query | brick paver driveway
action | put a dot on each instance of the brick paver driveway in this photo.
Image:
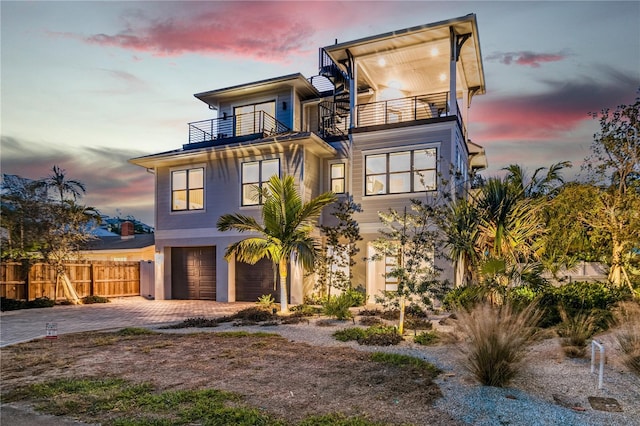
(24, 325)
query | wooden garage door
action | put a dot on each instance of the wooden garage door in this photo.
(253, 281)
(193, 273)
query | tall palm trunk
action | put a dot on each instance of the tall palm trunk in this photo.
(284, 299)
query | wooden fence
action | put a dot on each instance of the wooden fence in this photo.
(108, 279)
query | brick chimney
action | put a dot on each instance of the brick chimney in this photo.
(126, 230)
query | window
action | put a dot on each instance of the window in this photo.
(401, 172)
(187, 189)
(254, 176)
(250, 118)
(338, 178)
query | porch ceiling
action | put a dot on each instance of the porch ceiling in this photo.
(415, 59)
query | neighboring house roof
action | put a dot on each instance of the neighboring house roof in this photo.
(316, 145)
(118, 243)
(297, 81)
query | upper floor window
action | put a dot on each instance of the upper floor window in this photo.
(254, 176)
(187, 189)
(338, 178)
(250, 120)
(401, 172)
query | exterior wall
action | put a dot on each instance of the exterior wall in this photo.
(222, 195)
(433, 135)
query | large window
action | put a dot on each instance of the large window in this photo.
(338, 178)
(187, 189)
(401, 172)
(254, 176)
(250, 118)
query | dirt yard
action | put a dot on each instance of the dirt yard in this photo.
(287, 379)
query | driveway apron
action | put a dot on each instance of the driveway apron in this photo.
(28, 324)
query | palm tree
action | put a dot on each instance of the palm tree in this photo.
(61, 185)
(462, 230)
(286, 228)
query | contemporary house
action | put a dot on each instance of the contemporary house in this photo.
(385, 120)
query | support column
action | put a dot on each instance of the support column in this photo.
(453, 59)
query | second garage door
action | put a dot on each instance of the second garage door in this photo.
(253, 281)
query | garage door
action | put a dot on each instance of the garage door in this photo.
(193, 273)
(253, 281)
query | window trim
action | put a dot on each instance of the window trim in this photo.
(411, 171)
(188, 188)
(260, 182)
(343, 178)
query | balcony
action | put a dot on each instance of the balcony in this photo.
(404, 110)
(229, 129)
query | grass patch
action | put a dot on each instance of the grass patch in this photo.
(135, 331)
(337, 420)
(574, 331)
(405, 361)
(118, 402)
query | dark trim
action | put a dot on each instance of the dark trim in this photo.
(402, 124)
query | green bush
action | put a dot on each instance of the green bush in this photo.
(11, 304)
(198, 322)
(426, 338)
(350, 334)
(464, 297)
(40, 302)
(338, 306)
(377, 335)
(89, 300)
(358, 296)
(266, 301)
(574, 331)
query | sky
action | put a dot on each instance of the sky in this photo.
(88, 85)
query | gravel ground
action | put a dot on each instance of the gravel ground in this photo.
(530, 398)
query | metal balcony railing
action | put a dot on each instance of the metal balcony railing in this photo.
(403, 109)
(257, 123)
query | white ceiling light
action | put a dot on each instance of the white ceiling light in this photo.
(382, 62)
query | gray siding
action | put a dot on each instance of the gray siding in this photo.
(222, 188)
(390, 140)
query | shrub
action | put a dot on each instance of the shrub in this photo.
(266, 301)
(40, 302)
(418, 323)
(369, 312)
(89, 300)
(464, 297)
(376, 335)
(254, 314)
(368, 321)
(338, 306)
(350, 334)
(574, 332)
(381, 336)
(306, 310)
(357, 295)
(314, 299)
(11, 304)
(198, 322)
(497, 339)
(426, 338)
(628, 335)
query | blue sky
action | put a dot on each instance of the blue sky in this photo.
(88, 85)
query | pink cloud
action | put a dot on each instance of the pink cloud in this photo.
(267, 31)
(527, 58)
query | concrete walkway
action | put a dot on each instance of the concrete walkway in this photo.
(28, 324)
